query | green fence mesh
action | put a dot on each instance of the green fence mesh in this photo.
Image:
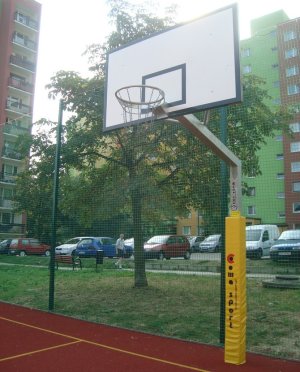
(167, 194)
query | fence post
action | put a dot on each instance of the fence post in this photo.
(54, 206)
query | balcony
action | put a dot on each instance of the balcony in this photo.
(15, 130)
(26, 21)
(22, 62)
(11, 154)
(5, 203)
(12, 228)
(21, 84)
(8, 178)
(24, 41)
(17, 106)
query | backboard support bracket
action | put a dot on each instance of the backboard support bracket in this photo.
(201, 131)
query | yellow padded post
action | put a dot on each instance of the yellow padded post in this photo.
(235, 287)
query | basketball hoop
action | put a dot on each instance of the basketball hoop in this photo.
(139, 102)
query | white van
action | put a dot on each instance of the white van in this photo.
(259, 239)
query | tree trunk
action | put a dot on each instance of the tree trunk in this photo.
(140, 279)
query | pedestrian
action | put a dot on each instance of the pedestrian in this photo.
(120, 247)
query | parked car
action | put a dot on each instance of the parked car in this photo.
(259, 239)
(28, 246)
(129, 242)
(211, 244)
(4, 246)
(287, 246)
(69, 247)
(195, 242)
(167, 246)
(88, 247)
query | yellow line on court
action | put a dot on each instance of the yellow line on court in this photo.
(97, 344)
(40, 329)
(38, 351)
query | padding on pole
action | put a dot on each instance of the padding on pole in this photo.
(235, 286)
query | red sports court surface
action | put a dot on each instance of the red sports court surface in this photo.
(33, 340)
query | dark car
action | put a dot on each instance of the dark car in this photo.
(167, 246)
(4, 246)
(28, 246)
(88, 247)
(195, 243)
(287, 246)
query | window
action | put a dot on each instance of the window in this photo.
(295, 146)
(245, 52)
(280, 195)
(20, 18)
(294, 108)
(275, 65)
(8, 169)
(295, 166)
(274, 49)
(186, 230)
(6, 218)
(277, 101)
(276, 84)
(291, 53)
(280, 176)
(295, 127)
(251, 210)
(296, 207)
(278, 138)
(8, 194)
(265, 236)
(289, 35)
(247, 69)
(281, 214)
(292, 71)
(296, 186)
(251, 191)
(293, 89)
(19, 38)
(252, 173)
(279, 157)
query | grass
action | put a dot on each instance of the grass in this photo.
(180, 306)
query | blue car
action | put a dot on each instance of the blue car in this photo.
(287, 246)
(88, 247)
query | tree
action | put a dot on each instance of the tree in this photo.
(150, 172)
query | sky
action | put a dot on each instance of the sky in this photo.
(68, 27)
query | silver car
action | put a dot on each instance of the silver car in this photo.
(69, 247)
(195, 243)
(211, 244)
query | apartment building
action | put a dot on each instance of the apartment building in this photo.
(19, 36)
(265, 201)
(289, 68)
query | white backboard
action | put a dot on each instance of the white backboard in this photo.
(196, 64)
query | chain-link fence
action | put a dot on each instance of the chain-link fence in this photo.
(138, 213)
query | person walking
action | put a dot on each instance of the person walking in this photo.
(120, 247)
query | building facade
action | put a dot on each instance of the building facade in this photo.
(266, 199)
(289, 69)
(19, 36)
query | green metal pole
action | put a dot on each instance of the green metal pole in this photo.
(224, 214)
(54, 206)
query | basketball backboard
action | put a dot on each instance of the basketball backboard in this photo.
(196, 64)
